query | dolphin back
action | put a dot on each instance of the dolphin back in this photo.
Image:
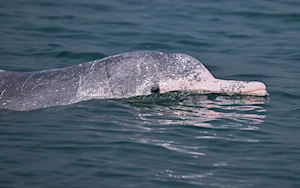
(31, 90)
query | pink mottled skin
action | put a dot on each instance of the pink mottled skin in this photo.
(210, 84)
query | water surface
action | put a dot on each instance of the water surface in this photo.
(172, 140)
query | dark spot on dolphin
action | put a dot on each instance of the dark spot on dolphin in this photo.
(155, 89)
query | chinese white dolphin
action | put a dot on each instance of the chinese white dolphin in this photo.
(120, 76)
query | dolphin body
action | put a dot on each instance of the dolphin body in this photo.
(120, 76)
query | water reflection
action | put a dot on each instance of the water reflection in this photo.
(215, 111)
(189, 124)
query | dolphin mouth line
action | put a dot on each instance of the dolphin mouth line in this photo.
(257, 92)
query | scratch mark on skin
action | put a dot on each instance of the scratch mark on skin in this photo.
(127, 86)
(1, 83)
(37, 83)
(125, 90)
(26, 81)
(118, 80)
(92, 66)
(153, 75)
(2, 93)
(108, 80)
(79, 86)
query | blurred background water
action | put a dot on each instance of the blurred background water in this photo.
(165, 141)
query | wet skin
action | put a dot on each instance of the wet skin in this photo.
(120, 76)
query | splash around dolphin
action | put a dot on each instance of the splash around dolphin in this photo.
(120, 76)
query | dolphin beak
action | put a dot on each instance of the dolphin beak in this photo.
(232, 87)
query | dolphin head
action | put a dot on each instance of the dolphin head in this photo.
(146, 72)
(188, 74)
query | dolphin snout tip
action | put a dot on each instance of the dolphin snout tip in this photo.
(255, 88)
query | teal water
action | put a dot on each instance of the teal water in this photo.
(171, 140)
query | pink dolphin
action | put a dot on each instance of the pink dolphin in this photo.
(120, 76)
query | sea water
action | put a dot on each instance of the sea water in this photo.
(172, 140)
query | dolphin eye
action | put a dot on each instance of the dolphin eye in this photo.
(155, 89)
